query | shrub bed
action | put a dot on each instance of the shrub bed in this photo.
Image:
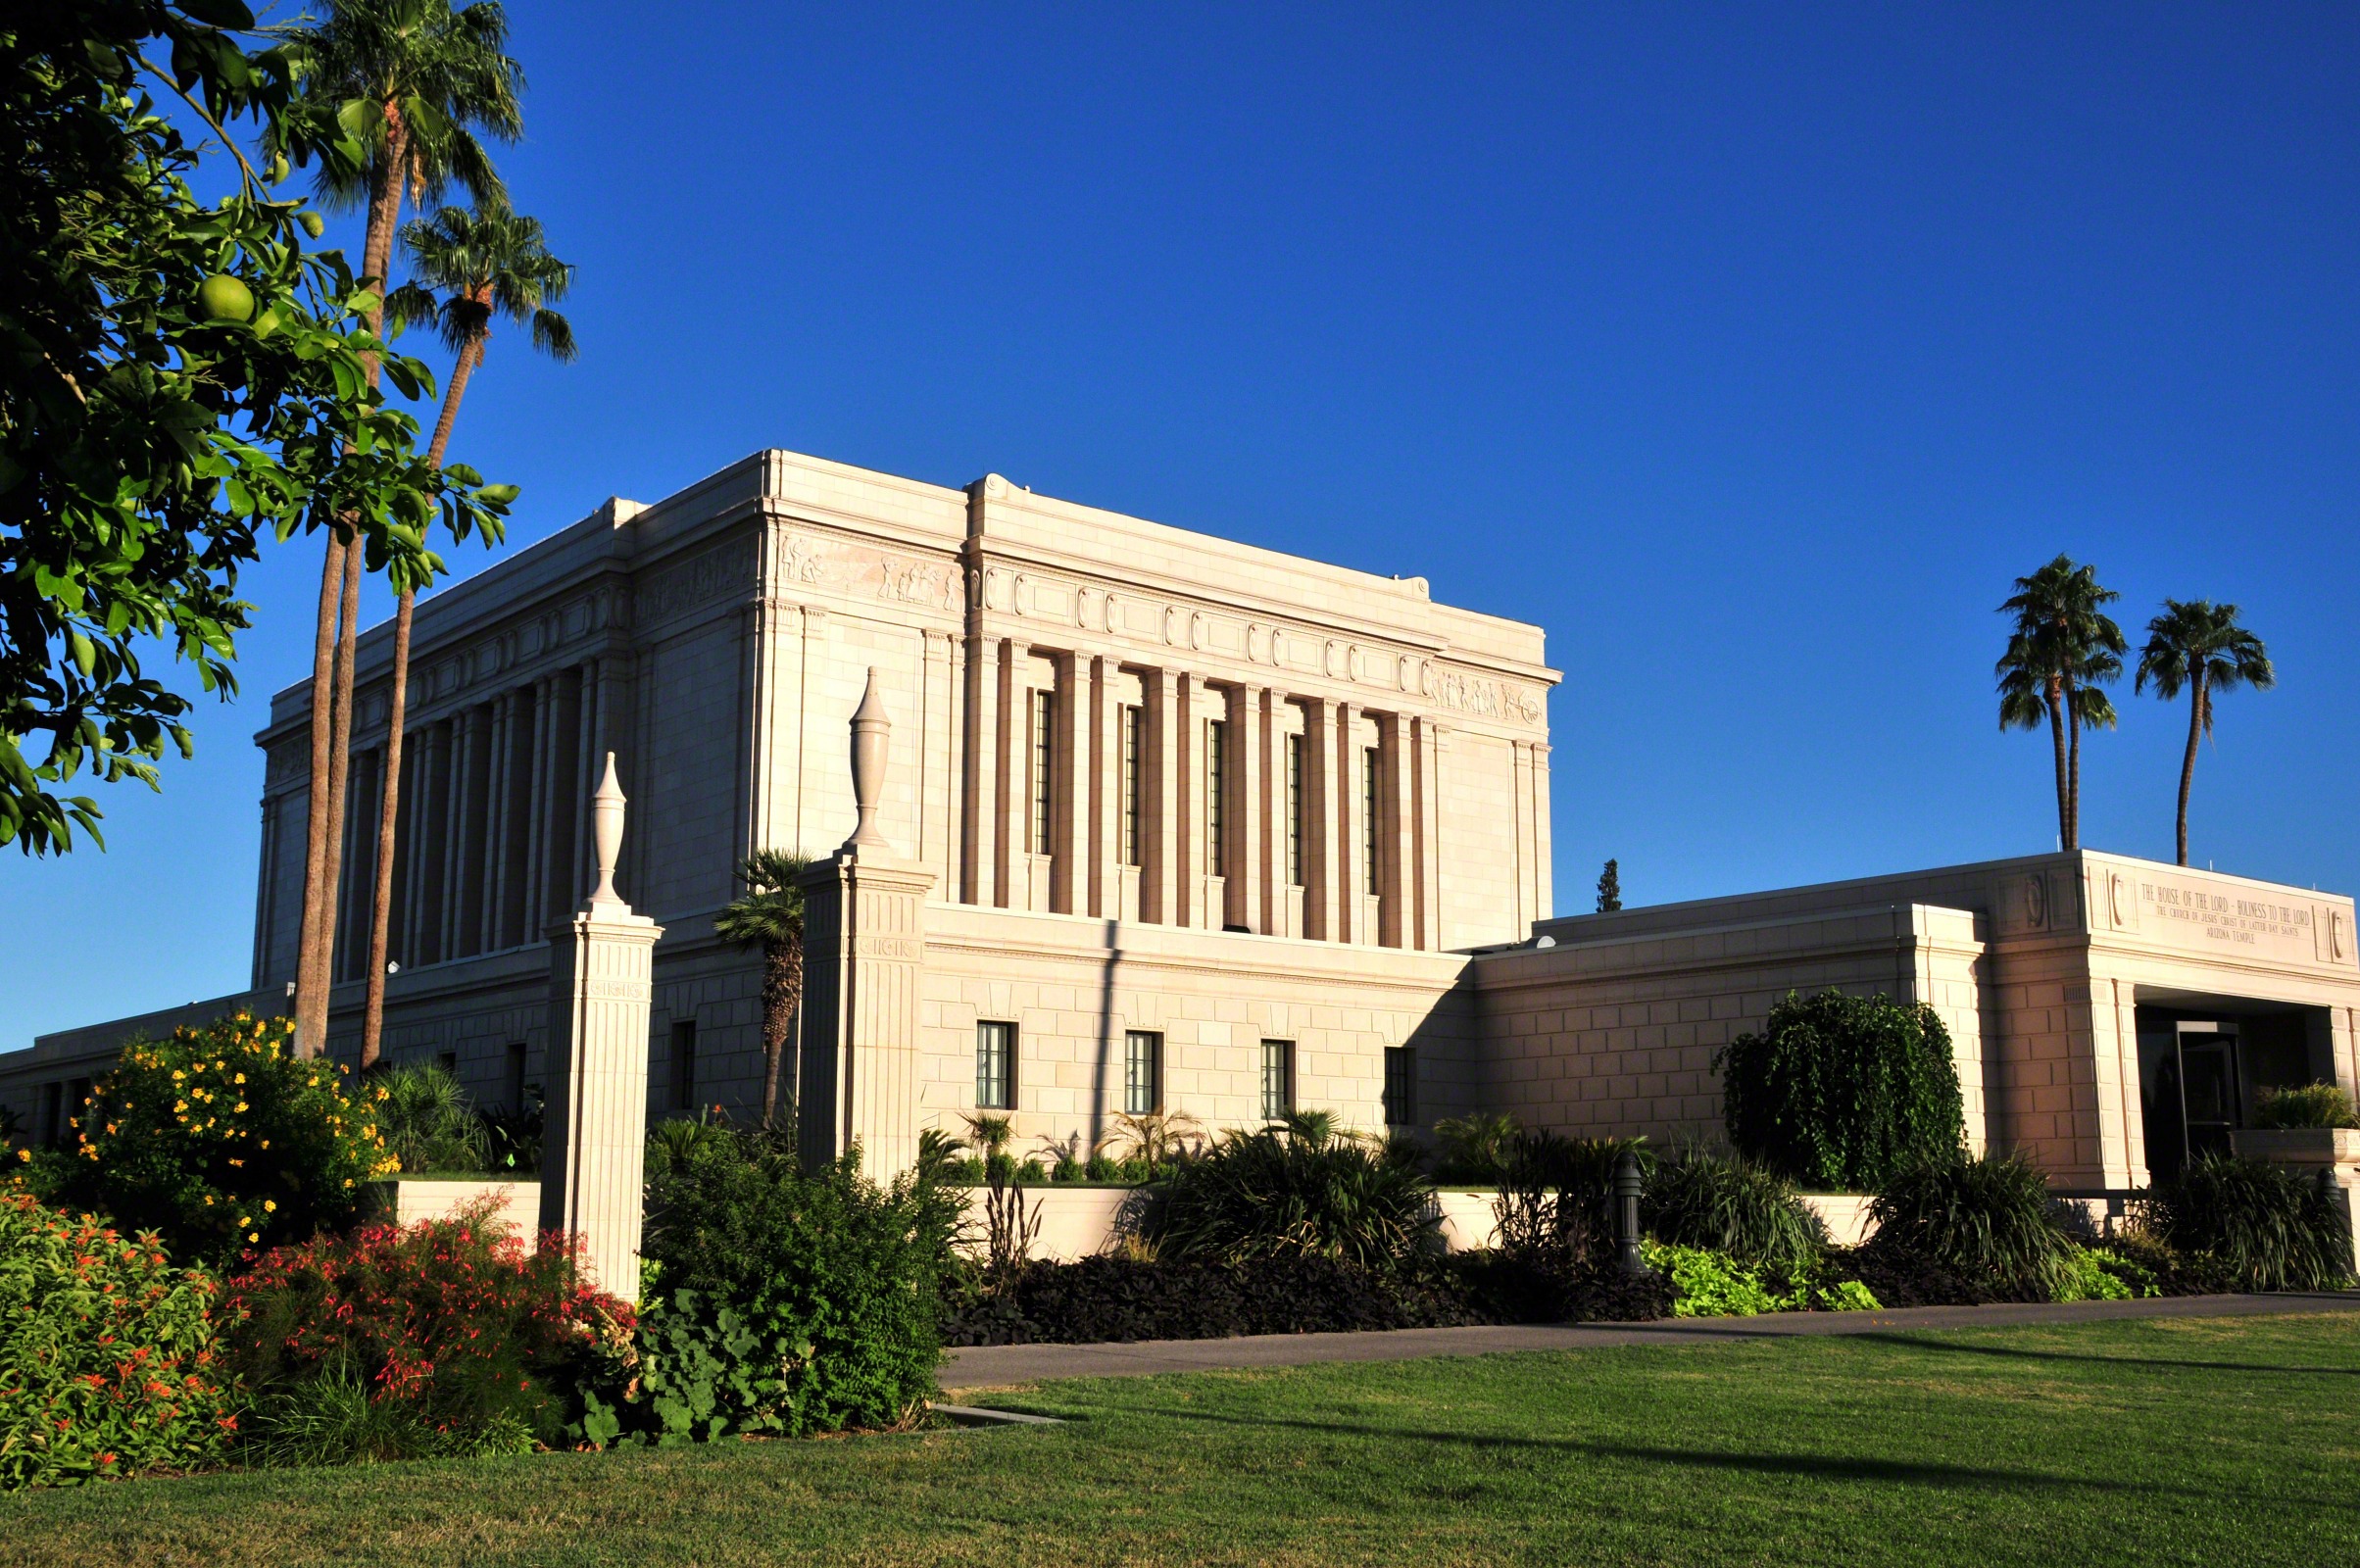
(107, 1362)
(785, 1301)
(448, 1337)
(2253, 1227)
(1116, 1298)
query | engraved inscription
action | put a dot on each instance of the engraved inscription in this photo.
(897, 949)
(2234, 918)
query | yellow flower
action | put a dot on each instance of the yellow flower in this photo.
(254, 1236)
(209, 1199)
(24, 1153)
(241, 1078)
(347, 1181)
(241, 1106)
(270, 1205)
(266, 1143)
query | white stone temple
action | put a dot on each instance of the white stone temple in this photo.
(1164, 821)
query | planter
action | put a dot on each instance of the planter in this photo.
(409, 1199)
(2305, 1148)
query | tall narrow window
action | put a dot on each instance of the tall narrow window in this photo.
(1400, 1086)
(1142, 1072)
(1278, 1078)
(1216, 793)
(515, 1074)
(1295, 811)
(1370, 874)
(684, 1065)
(996, 1067)
(1130, 785)
(1045, 715)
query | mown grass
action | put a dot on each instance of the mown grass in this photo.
(2187, 1441)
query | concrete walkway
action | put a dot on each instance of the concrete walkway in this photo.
(1001, 1365)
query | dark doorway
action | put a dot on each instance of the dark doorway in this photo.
(2210, 1098)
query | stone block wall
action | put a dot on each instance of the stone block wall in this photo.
(1616, 1037)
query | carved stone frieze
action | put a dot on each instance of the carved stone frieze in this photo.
(702, 578)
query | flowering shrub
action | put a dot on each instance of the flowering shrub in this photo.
(218, 1140)
(106, 1352)
(451, 1325)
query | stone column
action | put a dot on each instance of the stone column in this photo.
(500, 816)
(1069, 815)
(537, 848)
(1188, 807)
(1322, 921)
(1159, 803)
(1270, 731)
(1245, 808)
(1544, 905)
(1428, 832)
(602, 966)
(1105, 789)
(1527, 877)
(981, 816)
(864, 949)
(1352, 878)
(1014, 758)
(1397, 926)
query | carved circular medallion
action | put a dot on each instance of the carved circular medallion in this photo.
(2036, 902)
(2119, 891)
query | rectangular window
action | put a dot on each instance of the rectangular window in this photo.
(1295, 811)
(1278, 1078)
(1400, 1086)
(1142, 1072)
(1371, 869)
(684, 1065)
(1045, 713)
(1130, 785)
(449, 1061)
(1217, 778)
(996, 1067)
(515, 1074)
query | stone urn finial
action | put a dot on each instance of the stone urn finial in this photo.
(605, 826)
(871, 732)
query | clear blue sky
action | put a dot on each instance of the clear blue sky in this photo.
(1749, 350)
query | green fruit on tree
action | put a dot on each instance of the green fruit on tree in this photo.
(222, 298)
(405, 535)
(312, 224)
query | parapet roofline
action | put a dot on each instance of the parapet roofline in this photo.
(2020, 863)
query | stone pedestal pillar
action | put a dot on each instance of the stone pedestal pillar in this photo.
(600, 971)
(864, 949)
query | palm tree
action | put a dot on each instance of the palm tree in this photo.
(490, 262)
(411, 81)
(2198, 645)
(770, 916)
(2061, 649)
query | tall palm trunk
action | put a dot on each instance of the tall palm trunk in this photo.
(380, 910)
(2187, 764)
(316, 896)
(2073, 767)
(2056, 737)
(783, 993)
(333, 648)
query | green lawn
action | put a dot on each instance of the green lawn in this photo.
(2161, 1441)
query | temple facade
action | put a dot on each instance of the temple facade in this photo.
(1162, 822)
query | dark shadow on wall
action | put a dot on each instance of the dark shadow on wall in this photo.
(1103, 1069)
